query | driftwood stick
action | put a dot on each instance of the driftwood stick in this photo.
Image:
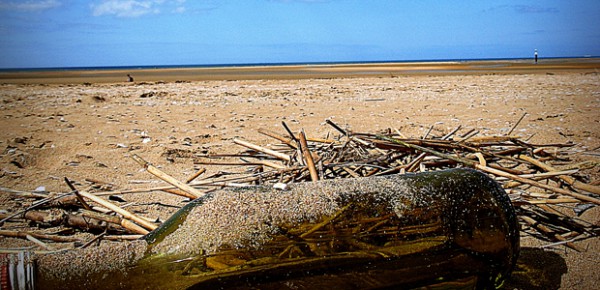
(495, 171)
(351, 172)
(34, 205)
(553, 201)
(546, 230)
(60, 217)
(243, 178)
(549, 174)
(178, 192)
(23, 235)
(162, 188)
(133, 227)
(335, 126)
(417, 161)
(96, 238)
(92, 180)
(115, 220)
(79, 198)
(551, 210)
(160, 174)
(346, 133)
(510, 151)
(278, 137)
(81, 221)
(101, 216)
(468, 135)
(267, 163)
(246, 163)
(272, 164)
(137, 190)
(262, 149)
(362, 142)
(20, 193)
(516, 124)
(227, 163)
(490, 139)
(400, 133)
(464, 135)
(509, 170)
(123, 237)
(314, 176)
(39, 243)
(451, 133)
(296, 142)
(320, 140)
(427, 133)
(481, 159)
(124, 213)
(537, 184)
(510, 184)
(588, 164)
(195, 175)
(287, 129)
(558, 243)
(568, 179)
(48, 199)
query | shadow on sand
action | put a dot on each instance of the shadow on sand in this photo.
(537, 269)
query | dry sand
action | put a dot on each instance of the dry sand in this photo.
(86, 125)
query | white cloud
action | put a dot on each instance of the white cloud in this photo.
(129, 8)
(136, 8)
(534, 9)
(525, 9)
(179, 9)
(302, 1)
(29, 5)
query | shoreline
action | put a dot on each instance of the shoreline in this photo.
(302, 71)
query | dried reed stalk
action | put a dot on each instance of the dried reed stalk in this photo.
(568, 179)
(195, 175)
(178, 192)
(126, 214)
(115, 220)
(262, 149)
(314, 176)
(160, 174)
(495, 171)
(39, 243)
(515, 163)
(24, 234)
(286, 141)
(79, 198)
(546, 230)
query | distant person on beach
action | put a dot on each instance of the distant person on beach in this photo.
(131, 78)
(535, 56)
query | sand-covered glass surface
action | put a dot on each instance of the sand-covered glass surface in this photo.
(451, 228)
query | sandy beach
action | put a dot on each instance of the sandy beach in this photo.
(309, 71)
(87, 124)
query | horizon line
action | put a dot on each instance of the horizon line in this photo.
(252, 64)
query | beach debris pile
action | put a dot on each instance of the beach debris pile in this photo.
(548, 187)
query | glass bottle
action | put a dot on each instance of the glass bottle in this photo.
(443, 229)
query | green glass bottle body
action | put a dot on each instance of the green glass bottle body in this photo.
(445, 229)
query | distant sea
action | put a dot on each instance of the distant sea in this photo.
(140, 67)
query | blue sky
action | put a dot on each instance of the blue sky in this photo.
(63, 33)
